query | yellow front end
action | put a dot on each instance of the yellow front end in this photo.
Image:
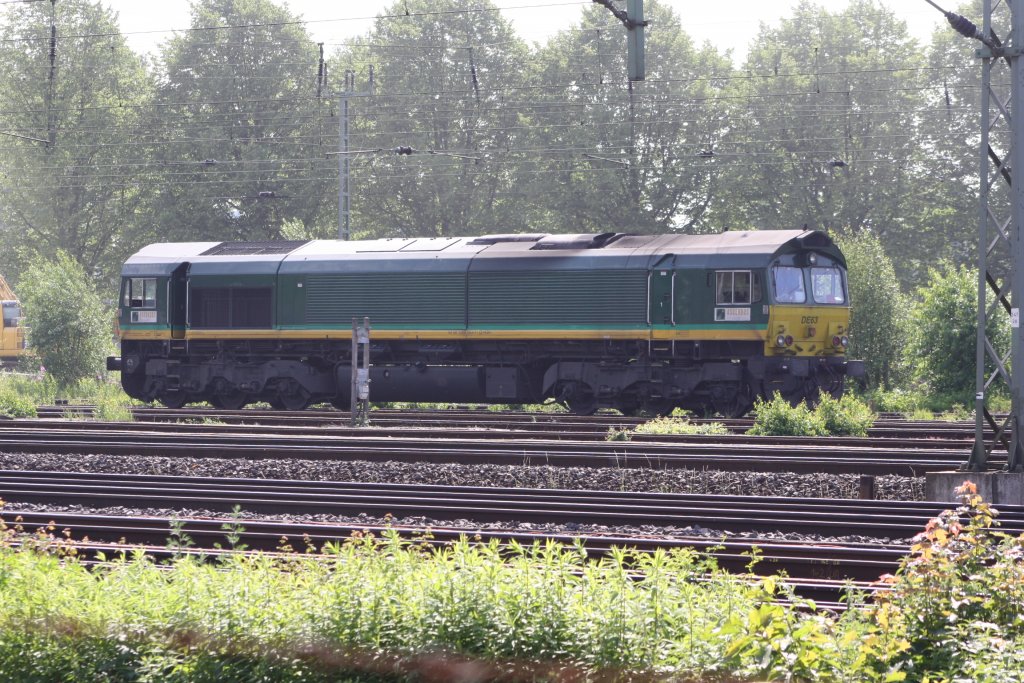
(12, 343)
(807, 330)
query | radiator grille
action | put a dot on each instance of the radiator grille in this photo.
(397, 298)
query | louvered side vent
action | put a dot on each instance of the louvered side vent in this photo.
(397, 299)
(254, 248)
(584, 297)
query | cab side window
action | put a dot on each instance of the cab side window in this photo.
(140, 292)
(737, 287)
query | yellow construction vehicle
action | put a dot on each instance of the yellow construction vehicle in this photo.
(12, 334)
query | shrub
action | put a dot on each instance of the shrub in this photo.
(955, 607)
(895, 401)
(778, 418)
(112, 408)
(847, 416)
(944, 326)
(68, 327)
(15, 405)
(878, 310)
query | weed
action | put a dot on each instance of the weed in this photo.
(666, 426)
(778, 418)
(846, 416)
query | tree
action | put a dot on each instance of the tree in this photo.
(878, 315)
(606, 154)
(238, 126)
(823, 128)
(447, 77)
(943, 326)
(69, 328)
(75, 186)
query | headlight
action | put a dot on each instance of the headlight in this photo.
(837, 341)
(780, 340)
(846, 340)
(789, 340)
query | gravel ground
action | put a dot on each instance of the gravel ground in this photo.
(665, 481)
(599, 478)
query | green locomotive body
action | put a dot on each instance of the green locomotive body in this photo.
(635, 322)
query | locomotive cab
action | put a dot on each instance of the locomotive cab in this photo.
(808, 324)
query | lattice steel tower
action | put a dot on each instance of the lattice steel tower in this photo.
(1000, 218)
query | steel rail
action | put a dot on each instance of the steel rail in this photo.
(549, 432)
(561, 423)
(705, 455)
(835, 517)
(825, 573)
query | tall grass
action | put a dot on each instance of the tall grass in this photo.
(369, 609)
(20, 393)
(667, 611)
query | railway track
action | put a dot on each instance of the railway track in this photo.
(542, 431)
(824, 573)
(553, 424)
(237, 441)
(484, 505)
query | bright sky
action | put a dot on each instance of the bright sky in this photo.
(726, 23)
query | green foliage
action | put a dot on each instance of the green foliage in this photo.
(796, 102)
(636, 186)
(954, 611)
(878, 309)
(68, 327)
(253, 617)
(623, 434)
(13, 404)
(667, 426)
(113, 406)
(894, 401)
(82, 192)
(778, 418)
(259, 63)
(944, 332)
(846, 416)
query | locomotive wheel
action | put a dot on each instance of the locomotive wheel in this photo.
(579, 399)
(234, 400)
(297, 400)
(733, 400)
(340, 403)
(173, 399)
(276, 404)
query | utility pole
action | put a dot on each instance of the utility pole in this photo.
(1001, 150)
(1000, 237)
(344, 163)
(51, 113)
(633, 19)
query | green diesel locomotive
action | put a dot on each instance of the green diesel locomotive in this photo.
(634, 322)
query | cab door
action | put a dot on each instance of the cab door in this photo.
(660, 299)
(177, 301)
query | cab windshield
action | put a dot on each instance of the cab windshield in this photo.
(827, 286)
(788, 283)
(12, 313)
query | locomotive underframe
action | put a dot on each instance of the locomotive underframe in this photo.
(633, 376)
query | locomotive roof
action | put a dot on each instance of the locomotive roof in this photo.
(739, 248)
